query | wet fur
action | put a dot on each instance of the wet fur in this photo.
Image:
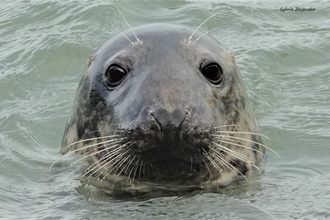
(226, 147)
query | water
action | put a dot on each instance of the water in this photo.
(283, 56)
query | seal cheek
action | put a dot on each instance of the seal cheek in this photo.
(216, 93)
(70, 137)
(211, 103)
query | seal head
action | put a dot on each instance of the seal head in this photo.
(163, 110)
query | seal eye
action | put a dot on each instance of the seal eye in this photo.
(213, 73)
(115, 75)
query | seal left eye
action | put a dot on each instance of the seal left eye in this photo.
(115, 75)
(213, 73)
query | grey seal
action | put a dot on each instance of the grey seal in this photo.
(158, 106)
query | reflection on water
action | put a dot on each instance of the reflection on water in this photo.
(283, 57)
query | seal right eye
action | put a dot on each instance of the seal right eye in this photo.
(213, 73)
(115, 75)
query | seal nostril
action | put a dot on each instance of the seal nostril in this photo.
(157, 121)
(178, 117)
(169, 120)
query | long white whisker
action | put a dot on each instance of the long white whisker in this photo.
(207, 167)
(207, 155)
(237, 155)
(137, 166)
(96, 152)
(113, 154)
(129, 164)
(219, 158)
(112, 141)
(124, 35)
(140, 170)
(242, 132)
(127, 23)
(224, 126)
(233, 137)
(240, 145)
(115, 164)
(233, 153)
(92, 139)
(124, 160)
(88, 146)
(231, 167)
(204, 34)
(201, 25)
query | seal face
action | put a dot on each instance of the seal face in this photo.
(163, 110)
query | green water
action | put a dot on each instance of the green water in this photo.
(283, 56)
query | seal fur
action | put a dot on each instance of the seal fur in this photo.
(165, 123)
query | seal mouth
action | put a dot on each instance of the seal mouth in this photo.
(155, 163)
(169, 175)
(169, 157)
(171, 170)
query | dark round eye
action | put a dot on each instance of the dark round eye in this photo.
(115, 75)
(213, 73)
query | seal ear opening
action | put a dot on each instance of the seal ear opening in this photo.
(90, 60)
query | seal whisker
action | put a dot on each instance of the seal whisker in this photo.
(104, 162)
(204, 34)
(189, 38)
(220, 159)
(91, 139)
(128, 165)
(93, 153)
(215, 165)
(144, 169)
(207, 167)
(129, 179)
(242, 132)
(85, 147)
(113, 131)
(224, 126)
(234, 153)
(124, 35)
(127, 23)
(124, 160)
(230, 166)
(114, 165)
(130, 172)
(240, 145)
(120, 162)
(237, 155)
(140, 171)
(113, 141)
(110, 155)
(244, 139)
(136, 167)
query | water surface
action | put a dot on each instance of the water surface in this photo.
(283, 57)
